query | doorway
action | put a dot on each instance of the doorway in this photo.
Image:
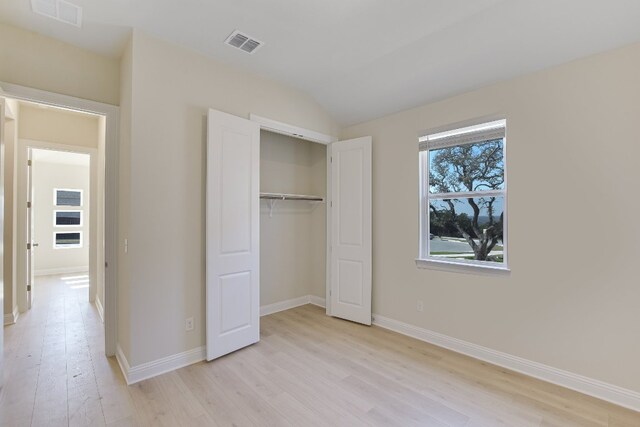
(233, 225)
(60, 217)
(96, 231)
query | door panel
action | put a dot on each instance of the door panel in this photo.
(350, 244)
(233, 227)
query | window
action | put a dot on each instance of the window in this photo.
(67, 218)
(463, 190)
(67, 240)
(66, 197)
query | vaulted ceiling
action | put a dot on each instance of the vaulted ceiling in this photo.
(361, 59)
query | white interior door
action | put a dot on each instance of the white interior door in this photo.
(350, 242)
(31, 244)
(233, 233)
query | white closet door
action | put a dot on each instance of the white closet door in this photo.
(233, 233)
(351, 230)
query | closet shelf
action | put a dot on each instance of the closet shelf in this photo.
(274, 197)
(284, 196)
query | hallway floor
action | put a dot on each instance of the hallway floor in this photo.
(56, 373)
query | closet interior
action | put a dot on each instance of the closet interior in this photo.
(293, 218)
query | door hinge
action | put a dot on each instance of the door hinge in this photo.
(28, 288)
(106, 265)
(28, 205)
(331, 159)
(331, 204)
(29, 162)
(28, 246)
(329, 292)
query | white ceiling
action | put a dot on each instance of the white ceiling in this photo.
(362, 59)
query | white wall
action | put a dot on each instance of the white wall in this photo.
(571, 300)
(46, 177)
(171, 90)
(292, 253)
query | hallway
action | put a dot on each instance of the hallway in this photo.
(56, 372)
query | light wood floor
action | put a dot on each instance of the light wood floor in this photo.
(308, 370)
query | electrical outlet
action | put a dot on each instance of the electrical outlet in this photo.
(420, 306)
(188, 324)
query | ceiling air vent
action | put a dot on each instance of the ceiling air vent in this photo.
(60, 10)
(243, 42)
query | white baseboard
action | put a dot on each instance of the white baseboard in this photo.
(100, 309)
(11, 318)
(158, 367)
(134, 374)
(283, 305)
(599, 389)
(291, 303)
(319, 301)
(62, 270)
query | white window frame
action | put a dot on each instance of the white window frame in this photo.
(55, 215)
(451, 137)
(56, 246)
(55, 197)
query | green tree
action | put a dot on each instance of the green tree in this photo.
(468, 168)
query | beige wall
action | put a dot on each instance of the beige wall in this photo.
(58, 126)
(172, 88)
(571, 300)
(39, 62)
(9, 259)
(124, 198)
(290, 265)
(48, 176)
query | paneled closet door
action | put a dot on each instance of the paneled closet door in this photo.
(233, 233)
(350, 242)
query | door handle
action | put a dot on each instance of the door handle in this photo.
(36, 245)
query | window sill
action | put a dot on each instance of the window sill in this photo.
(461, 267)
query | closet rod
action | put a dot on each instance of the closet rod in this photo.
(283, 196)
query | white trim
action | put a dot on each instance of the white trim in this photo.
(157, 367)
(424, 260)
(11, 318)
(467, 194)
(598, 389)
(134, 374)
(276, 307)
(319, 301)
(100, 309)
(62, 270)
(111, 113)
(291, 130)
(443, 263)
(123, 363)
(328, 233)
